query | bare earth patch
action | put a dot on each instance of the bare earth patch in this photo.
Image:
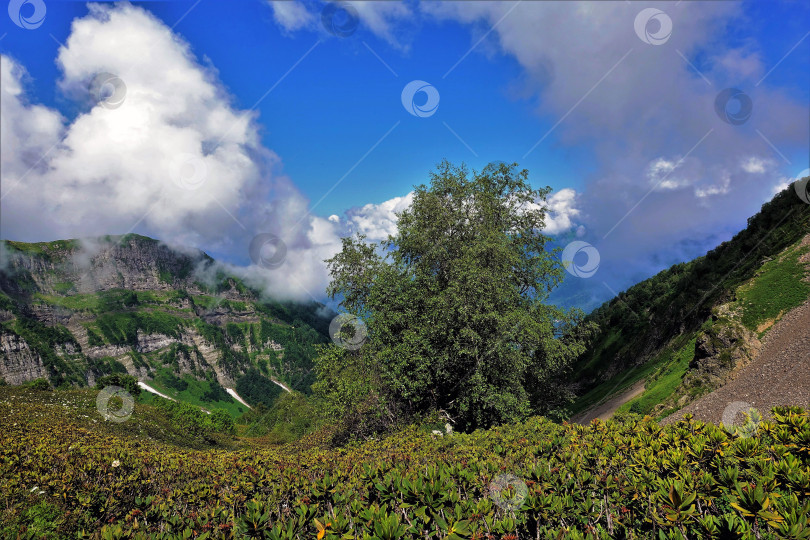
(780, 375)
(605, 410)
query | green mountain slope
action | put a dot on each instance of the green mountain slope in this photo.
(688, 328)
(74, 311)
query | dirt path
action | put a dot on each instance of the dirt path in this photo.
(605, 409)
(780, 375)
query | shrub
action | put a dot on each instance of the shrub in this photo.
(125, 381)
(40, 384)
(222, 422)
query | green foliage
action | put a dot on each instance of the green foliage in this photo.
(63, 287)
(93, 339)
(215, 391)
(677, 301)
(169, 379)
(629, 479)
(122, 328)
(127, 382)
(671, 366)
(40, 384)
(290, 418)
(778, 287)
(222, 422)
(194, 421)
(455, 303)
(255, 388)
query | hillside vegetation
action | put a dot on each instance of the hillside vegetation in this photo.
(64, 473)
(72, 312)
(688, 328)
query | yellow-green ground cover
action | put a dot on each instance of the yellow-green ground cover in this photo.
(65, 472)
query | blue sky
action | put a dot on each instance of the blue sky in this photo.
(617, 117)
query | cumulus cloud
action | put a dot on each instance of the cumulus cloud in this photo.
(378, 221)
(174, 159)
(561, 211)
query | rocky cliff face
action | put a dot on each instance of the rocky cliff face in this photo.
(18, 363)
(72, 311)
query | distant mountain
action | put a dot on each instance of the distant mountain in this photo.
(688, 329)
(72, 311)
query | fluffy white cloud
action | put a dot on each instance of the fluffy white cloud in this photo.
(378, 221)
(173, 154)
(173, 159)
(561, 211)
(31, 130)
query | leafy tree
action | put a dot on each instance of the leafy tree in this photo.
(125, 381)
(454, 304)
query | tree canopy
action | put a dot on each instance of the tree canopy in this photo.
(454, 306)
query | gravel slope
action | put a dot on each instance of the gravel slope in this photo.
(780, 375)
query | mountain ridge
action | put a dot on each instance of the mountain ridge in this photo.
(688, 329)
(72, 311)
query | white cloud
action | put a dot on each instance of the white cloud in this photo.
(561, 211)
(383, 18)
(378, 221)
(720, 188)
(129, 168)
(628, 101)
(292, 15)
(755, 165)
(31, 130)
